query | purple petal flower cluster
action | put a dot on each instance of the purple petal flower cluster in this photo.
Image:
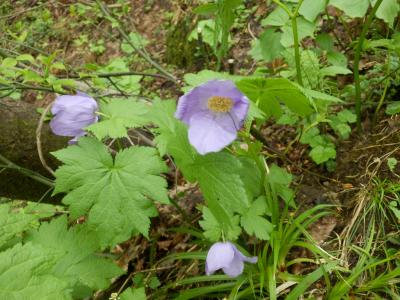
(72, 114)
(227, 257)
(214, 112)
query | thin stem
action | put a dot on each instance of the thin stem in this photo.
(36, 176)
(116, 74)
(296, 43)
(356, 64)
(297, 51)
(142, 53)
(39, 139)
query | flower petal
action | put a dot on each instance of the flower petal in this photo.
(219, 256)
(235, 268)
(210, 132)
(72, 114)
(251, 259)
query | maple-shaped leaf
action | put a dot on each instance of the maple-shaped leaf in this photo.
(117, 116)
(77, 262)
(117, 194)
(25, 273)
(254, 222)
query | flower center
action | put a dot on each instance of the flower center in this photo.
(219, 104)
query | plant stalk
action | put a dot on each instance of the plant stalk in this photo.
(356, 63)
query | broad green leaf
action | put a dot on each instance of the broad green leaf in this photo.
(117, 116)
(322, 154)
(304, 28)
(9, 62)
(213, 229)
(31, 76)
(13, 223)
(116, 194)
(325, 41)
(207, 29)
(310, 9)
(172, 135)
(206, 9)
(277, 18)
(25, 57)
(137, 40)
(25, 273)
(129, 84)
(268, 46)
(193, 80)
(353, 8)
(388, 11)
(133, 294)
(254, 222)
(218, 175)
(334, 70)
(76, 263)
(337, 58)
(269, 93)
(393, 108)
(280, 180)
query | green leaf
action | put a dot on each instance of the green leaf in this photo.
(393, 108)
(334, 70)
(25, 273)
(388, 11)
(133, 294)
(172, 135)
(213, 229)
(277, 18)
(310, 9)
(206, 9)
(325, 41)
(219, 180)
(117, 116)
(76, 263)
(269, 93)
(392, 163)
(280, 179)
(116, 194)
(31, 76)
(337, 58)
(9, 62)
(353, 8)
(193, 80)
(268, 46)
(13, 223)
(322, 154)
(253, 222)
(137, 40)
(304, 28)
(25, 57)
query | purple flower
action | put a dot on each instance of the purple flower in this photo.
(214, 112)
(227, 257)
(72, 114)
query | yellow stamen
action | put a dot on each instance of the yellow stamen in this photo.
(220, 104)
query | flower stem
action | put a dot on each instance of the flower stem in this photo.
(36, 176)
(296, 43)
(356, 63)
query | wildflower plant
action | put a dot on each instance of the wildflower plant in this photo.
(114, 177)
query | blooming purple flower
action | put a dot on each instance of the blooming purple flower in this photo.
(227, 257)
(214, 112)
(72, 114)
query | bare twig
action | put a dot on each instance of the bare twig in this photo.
(39, 142)
(140, 51)
(32, 174)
